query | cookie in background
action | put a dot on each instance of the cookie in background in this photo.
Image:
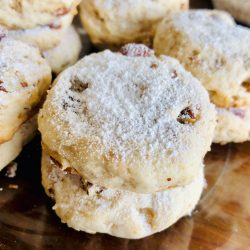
(216, 51)
(45, 25)
(66, 53)
(25, 77)
(239, 9)
(113, 23)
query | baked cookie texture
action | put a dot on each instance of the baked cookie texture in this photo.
(239, 9)
(24, 79)
(66, 53)
(27, 14)
(128, 121)
(44, 37)
(12, 148)
(233, 125)
(113, 23)
(93, 208)
(213, 49)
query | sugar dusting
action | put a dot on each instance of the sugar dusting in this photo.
(226, 37)
(123, 105)
(20, 67)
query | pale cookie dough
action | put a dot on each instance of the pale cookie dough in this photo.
(233, 125)
(27, 14)
(11, 149)
(66, 53)
(44, 37)
(24, 79)
(239, 9)
(129, 120)
(213, 49)
(92, 208)
(113, 23)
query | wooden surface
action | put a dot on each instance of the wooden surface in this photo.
(221, 221)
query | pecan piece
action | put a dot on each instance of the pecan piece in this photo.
(136, 50)
(79, 86)
(62, 11)
(24, 84)
(187, 116)
(246, 84)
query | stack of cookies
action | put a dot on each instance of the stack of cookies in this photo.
(124, 136)
(217, 51)
(24, 79)
(45, 24)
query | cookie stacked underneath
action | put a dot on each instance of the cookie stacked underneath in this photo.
(216, 51)
(24, 79)
(124, 136)
(45, 24)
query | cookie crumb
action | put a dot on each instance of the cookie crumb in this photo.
(13, 186)
(11, 170)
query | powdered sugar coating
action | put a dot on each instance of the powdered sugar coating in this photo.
(213, 48)
(26, 14)
(46, 36)
(123, 110)
(24, 79)
(123, 214)
(212, 31)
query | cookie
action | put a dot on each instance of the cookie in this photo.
(113, 23)
(92, 208)
(24, 79)
(233, 125)
(129, 120)
(26, 14)
(213, 49)
(44, 37)
(66, 53)
(239, 9)
(11, 149)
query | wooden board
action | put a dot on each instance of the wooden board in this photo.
(221, 221)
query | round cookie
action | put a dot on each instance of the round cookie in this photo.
(239, 9)
(129, 120)
(92, 208)
(213, 49)
(233, 125)
(11, 149)
(114, 23)
(24, 79)
(44, 37)
(26, 14)
(66, 53)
